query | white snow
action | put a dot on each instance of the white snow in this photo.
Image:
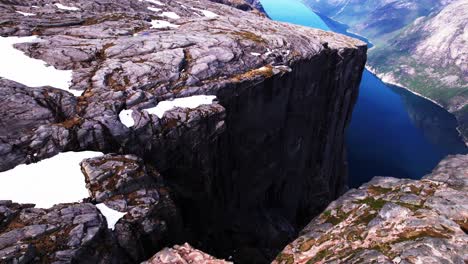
(25, 14)
(126, 118)
(51, 181)
(185, 102)
(154, 9)
(64, 7)
(112, 216)
(162, 24)
(155, 2)
(255, 54)
(171, 15)
(208, 13)
(18, 67)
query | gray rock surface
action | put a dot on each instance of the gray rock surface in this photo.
(246, 5)
(27, 122)
(391, 220)
(124, 184)
(183, 254)
(74, 233)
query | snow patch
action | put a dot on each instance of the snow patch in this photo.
(255, 54)
(112, 216)
(185, 102)
(64, 7)
(126, 118)
(154, 2)
(171, 15)
(208, 13)
(154, 9)
(51, 181)
(162, 24)
(25, 14)
(18, 67)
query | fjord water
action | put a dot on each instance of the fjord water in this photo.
(393, 132)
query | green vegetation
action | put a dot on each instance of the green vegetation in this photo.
(373, 203)
(336, 218)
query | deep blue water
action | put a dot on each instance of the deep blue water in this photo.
(393, 132)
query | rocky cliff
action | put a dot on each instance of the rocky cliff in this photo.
(236, 176)
(391, 220)
(420, 45)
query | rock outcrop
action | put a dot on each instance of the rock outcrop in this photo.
(247, 5)
(183, 254)
(123, 183)
(391, 220)
(74, 233)
(237, 177)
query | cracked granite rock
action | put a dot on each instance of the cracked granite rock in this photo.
(124, 184)
(183, 255)
(247, 5)
(247, 171)
(391, 220)
(26, 109)
(73, 233)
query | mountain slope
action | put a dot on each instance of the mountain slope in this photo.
(376, 19)
(430, 57)
(420, 45)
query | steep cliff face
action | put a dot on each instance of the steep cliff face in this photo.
(391, 220)
(237, 176)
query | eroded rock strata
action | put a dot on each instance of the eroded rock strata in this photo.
(391, 220)
(238, 177)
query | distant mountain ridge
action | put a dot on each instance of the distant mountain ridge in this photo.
(421, 45)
